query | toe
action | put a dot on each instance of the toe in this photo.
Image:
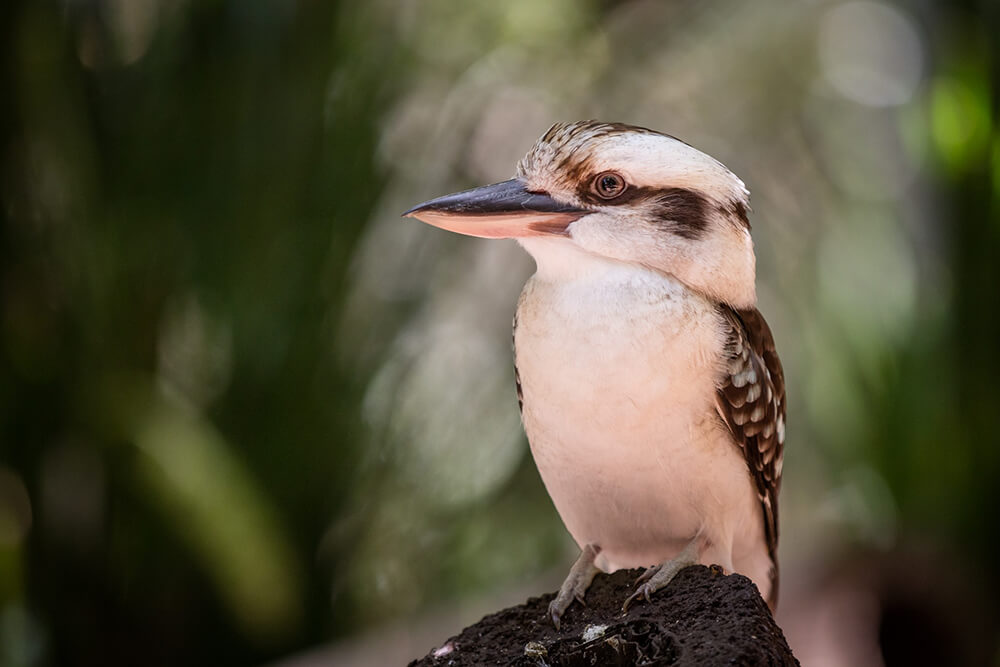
(647, 574)
(640, 592)
(555, 614)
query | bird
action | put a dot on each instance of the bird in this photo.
(650, 389)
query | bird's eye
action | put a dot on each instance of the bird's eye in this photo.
(609, 185)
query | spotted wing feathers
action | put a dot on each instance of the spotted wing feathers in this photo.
(751, 401)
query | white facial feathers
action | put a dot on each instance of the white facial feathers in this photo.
(683, 213)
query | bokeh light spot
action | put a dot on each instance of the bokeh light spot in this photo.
(871, 53)
(960, 121)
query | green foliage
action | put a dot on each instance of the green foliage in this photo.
(182, 192)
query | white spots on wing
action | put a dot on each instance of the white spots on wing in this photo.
(747, 376)
(781, 429)
(738, 346)
(753, 393)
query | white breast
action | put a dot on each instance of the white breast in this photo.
(618, 368)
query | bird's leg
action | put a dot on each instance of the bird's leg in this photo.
(658, 576)
(576, 584)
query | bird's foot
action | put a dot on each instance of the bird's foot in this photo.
(658, 576)
(647, 574)
(576, 584)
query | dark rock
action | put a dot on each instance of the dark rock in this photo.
(702, 618)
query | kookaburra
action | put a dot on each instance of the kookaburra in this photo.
(650, 389)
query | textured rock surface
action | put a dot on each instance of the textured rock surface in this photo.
(702, 618)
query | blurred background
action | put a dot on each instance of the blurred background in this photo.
(249, 415)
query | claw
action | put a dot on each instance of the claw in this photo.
(576, 584)
(642, 592)
(658, 576)
(554, 614)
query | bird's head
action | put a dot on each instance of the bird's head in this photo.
(622, 193)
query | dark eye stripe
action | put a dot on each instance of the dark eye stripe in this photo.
(679, 210)
(684, 211)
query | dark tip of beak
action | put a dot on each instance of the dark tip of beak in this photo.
(499, 198)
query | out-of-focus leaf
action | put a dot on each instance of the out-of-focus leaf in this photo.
(211, 498)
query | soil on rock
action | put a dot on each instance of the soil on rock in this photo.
(702, 618)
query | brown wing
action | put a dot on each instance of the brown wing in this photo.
(517, 374)
(751, 400)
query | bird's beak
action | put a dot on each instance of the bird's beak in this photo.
(499, 211)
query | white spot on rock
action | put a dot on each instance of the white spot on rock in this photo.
(592, 632)
(444, 650)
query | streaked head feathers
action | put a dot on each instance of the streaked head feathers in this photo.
(619, 192)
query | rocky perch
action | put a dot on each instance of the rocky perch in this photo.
(702, 618)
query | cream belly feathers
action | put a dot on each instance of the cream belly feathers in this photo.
(627, 438)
